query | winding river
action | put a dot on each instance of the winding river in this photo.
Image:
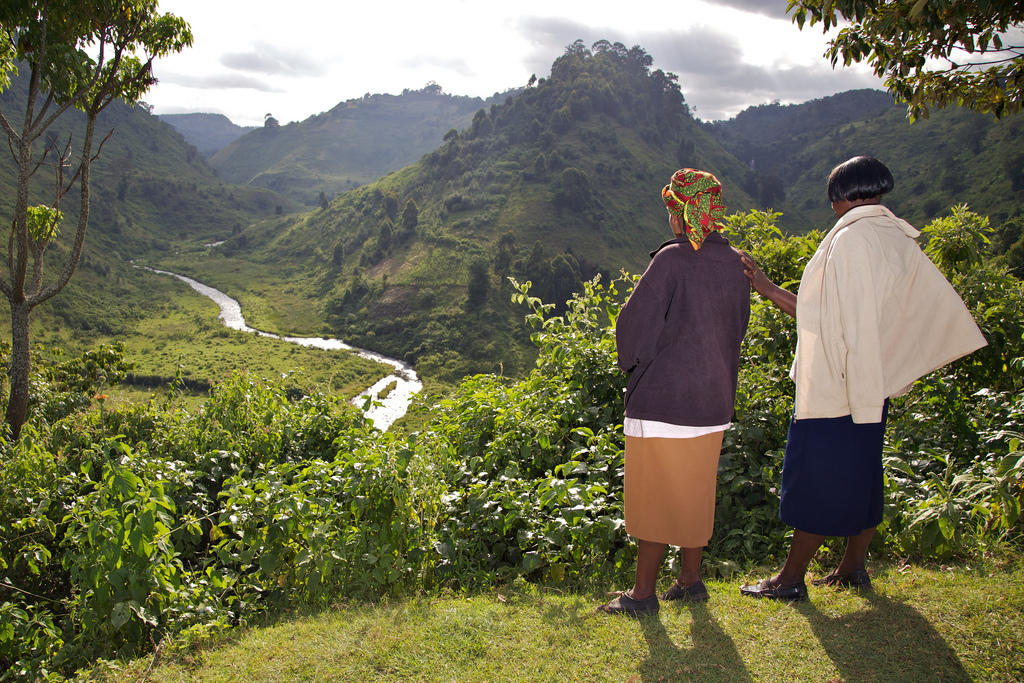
(383, 412)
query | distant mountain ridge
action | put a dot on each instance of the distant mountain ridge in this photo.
(553, 184)
(356, 142)
(755, 134)
(208, 132)
(957, 156)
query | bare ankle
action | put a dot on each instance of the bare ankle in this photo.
(782, 580)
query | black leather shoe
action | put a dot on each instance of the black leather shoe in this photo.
(695, 592)
(855, 579)
(624, 604)
(765, 589)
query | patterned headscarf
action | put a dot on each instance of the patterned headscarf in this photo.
(697, 197)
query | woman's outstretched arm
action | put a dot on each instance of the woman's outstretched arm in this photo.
(783, 298)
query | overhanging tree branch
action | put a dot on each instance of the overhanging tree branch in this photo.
(898, 37)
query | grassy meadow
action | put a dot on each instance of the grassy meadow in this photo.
(957, 622)
(269, 537)
(273, 297)
(184, 332)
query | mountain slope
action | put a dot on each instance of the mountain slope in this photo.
(150, 191)
(956, 156)
(554, 186)
(208, 132)
(356, 142)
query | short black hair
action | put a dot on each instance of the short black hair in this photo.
(859, 178)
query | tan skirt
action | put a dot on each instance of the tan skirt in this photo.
(670, 489)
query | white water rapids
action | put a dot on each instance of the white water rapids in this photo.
(383, 412)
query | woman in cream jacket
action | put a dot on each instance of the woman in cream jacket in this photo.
(873, 315)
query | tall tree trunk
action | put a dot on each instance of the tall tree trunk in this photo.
(17, 405)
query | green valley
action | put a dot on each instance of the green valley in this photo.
(554, 184)
(354, 143)
(249, 487)
(208, 132)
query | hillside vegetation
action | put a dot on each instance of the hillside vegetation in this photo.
(354, 143)
(151, 188)
(208, 132)
(554, 185)
(151, 192)
(122, 526)
(956, 156)
(551, 185)
(560, 183)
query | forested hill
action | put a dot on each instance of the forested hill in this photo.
(151, 192)
(149, 186)
(208, 132)
(356, 142)
(553, 186)
(954, 157)
(757, 134)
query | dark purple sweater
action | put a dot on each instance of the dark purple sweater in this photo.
(680, 332)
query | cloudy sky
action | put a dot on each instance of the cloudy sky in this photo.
(296, 58)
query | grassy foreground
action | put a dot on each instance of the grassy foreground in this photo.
(948, 623)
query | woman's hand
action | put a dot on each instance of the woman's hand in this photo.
(758, 280)
(782, 298)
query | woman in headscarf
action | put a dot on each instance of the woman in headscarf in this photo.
(873, 314)
(679, 335)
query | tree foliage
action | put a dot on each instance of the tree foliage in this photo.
(391, 206)
(120, 527)
(958, 243)
(575, 188)
(81, 55)
(410, 215)
(478, 282)
(930, 52)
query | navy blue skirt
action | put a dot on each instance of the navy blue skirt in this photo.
(832, 475)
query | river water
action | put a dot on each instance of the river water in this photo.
(383, 412)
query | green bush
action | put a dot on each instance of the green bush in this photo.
(118, 527)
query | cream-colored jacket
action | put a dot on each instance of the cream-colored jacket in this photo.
(873, 315)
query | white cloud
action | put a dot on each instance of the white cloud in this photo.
(729, 54)
(774, 9)
(215, 81)
(266, 59)
(455, 64)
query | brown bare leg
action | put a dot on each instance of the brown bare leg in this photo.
(801, 551)
(689, 572)
(648, 562)
(856, 552)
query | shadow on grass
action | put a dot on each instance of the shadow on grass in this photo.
(711, 657)
(891, 641)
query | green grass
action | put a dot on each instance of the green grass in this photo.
(271, 299)
(185, 330)
(948, 623)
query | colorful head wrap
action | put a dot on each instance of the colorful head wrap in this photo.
(697, 197)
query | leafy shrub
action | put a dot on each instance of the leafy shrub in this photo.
(118, 527)
(946, 495)
(538, 475)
